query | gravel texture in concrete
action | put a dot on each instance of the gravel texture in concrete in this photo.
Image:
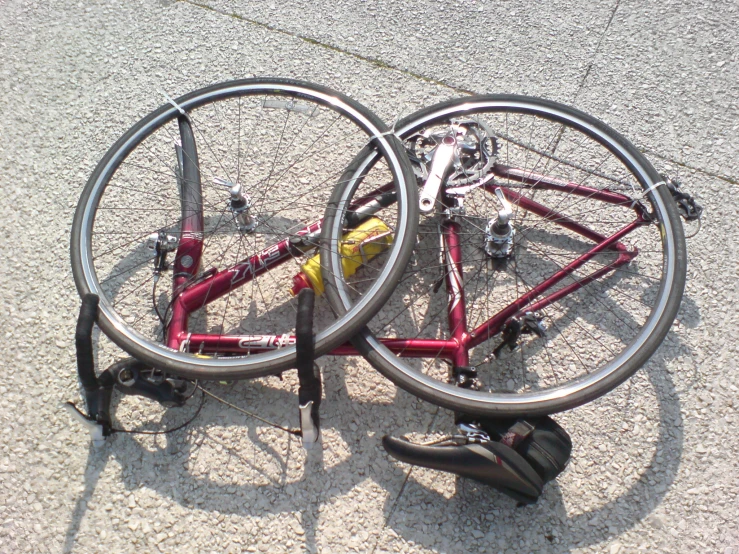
(655, 462)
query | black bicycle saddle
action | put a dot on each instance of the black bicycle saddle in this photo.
(488, 462)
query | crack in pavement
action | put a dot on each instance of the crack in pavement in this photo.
(395, 503)
(369, 59)
(595, 52)
(384, 65)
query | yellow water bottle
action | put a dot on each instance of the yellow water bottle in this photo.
(357, 247)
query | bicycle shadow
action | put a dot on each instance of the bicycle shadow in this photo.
(558, 517)
(599, 318)
(561, 517)
(274, 476)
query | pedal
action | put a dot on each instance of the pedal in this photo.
(688, 208)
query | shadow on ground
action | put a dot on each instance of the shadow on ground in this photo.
(415, 511)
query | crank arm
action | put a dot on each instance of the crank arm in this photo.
(440, 164)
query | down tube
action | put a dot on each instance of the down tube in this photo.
(223, 282)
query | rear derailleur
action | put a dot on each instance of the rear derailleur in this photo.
(530, 323)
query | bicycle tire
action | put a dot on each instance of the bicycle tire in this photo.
(416, 378)
(143, 156)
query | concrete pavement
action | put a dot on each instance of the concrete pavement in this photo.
(655, 462)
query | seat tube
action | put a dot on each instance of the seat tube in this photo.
(454, 279)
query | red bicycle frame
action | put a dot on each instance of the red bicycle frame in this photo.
(461, 339)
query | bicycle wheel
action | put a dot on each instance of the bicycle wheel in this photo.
(559, 309)
(196, 224)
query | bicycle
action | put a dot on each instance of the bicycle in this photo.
(541, 223)
(503, 181)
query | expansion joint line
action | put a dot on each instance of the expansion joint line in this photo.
(384, 65)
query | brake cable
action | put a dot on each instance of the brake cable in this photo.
(295, 432)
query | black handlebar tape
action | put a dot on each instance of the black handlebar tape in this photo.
(83, 342)
(310, 382)
(192, 192)
(304, 340)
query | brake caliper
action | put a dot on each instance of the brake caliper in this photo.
(161, 244)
